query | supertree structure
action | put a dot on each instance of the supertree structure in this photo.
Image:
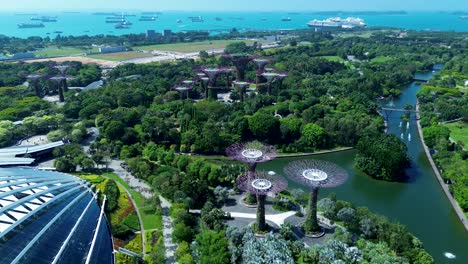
(59, 80)
(185, 87)
(34, 82)
(240, 61)
(241, 87)
(252, 153)
(261, 63)
(261, 184)
(63, 70)
(270, 77)
(315, 174)
(213, 74)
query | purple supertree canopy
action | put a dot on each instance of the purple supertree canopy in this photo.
(262, 62)
(35, 76)
(182, 88)
(239, 59)
(270, 76)
(241, 84)
(316, 173)
(213, 73)
(188, 83)
(262, 183)
(62, 69)
(252, 152)
(58, 78)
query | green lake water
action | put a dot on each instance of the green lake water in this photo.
(420, 203)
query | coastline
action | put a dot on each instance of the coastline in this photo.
(452, 200)
(313, 153)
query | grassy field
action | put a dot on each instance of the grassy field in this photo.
(459, 132)
(367, 34)
(333, 58)
(120, 56)
(381, 59)
(62, 51)
(193, 46)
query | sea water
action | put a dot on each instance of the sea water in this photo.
(85, 23)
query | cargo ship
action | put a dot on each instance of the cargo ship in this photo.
(148, 18)
(31, 25)
(196, 19)
(45, 19)
(338, 22)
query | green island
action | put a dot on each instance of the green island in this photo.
(154, 138)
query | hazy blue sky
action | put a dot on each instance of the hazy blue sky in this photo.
(230, 5)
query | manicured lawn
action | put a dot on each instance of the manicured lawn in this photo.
(459, 132)
(193, 46)
(62, 51)
(333, 58)
(121, 56)
(381, 59)
(356, 34)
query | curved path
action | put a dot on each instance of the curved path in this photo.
(145, 190)
(142, 228)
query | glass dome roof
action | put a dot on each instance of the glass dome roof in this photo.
(50, 217)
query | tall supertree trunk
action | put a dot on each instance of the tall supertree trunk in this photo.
(60, 91)
(311, 222)
(269, 88)
(65, 85)
(240, 74)
(252, 167)
(261, 224)
(36, 89)
(241, 94)
(227, 81)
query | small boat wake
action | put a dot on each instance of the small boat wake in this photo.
(449, 255)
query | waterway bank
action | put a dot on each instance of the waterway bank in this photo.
(444, 186)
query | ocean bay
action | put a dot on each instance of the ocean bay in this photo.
(87, 23)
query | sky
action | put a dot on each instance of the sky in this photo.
(233, 5)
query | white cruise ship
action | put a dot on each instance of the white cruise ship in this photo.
(350, 22)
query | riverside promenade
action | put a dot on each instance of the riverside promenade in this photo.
(444, 186)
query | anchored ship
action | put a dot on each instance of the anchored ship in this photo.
(338, 22)
(31, 25)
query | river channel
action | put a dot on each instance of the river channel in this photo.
(420, 203)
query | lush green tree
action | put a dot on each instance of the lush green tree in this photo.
(264, 126)
(112, 192)
(182, 233)
(382, 156)
(212, 247)
(434, 133)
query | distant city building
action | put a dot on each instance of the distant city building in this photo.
(25, 55)
(112, 49)
(151, 34)
(167, 33)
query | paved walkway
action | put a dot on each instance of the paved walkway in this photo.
(278, 219)
(167, 231)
